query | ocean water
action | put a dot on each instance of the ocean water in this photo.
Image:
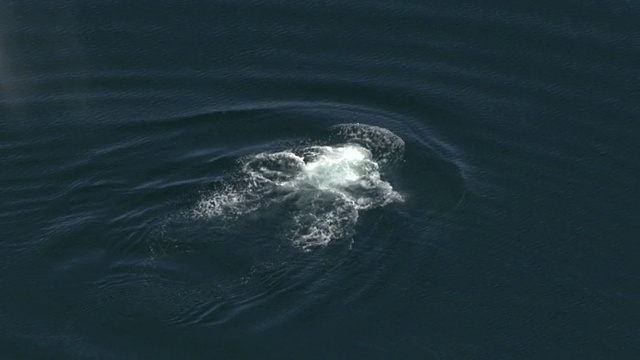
(319, 180)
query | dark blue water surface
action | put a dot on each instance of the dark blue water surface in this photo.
(175, 182)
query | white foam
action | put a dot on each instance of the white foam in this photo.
(326, 186)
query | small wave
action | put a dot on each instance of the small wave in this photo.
(324, 187)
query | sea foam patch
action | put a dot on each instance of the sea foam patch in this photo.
(323, 187)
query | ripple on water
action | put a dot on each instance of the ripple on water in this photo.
(284, 217)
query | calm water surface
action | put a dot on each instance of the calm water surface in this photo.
(319, 180)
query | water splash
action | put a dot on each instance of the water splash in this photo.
(324, 186)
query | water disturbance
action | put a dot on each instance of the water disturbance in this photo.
(277, 179)
(325, 186)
